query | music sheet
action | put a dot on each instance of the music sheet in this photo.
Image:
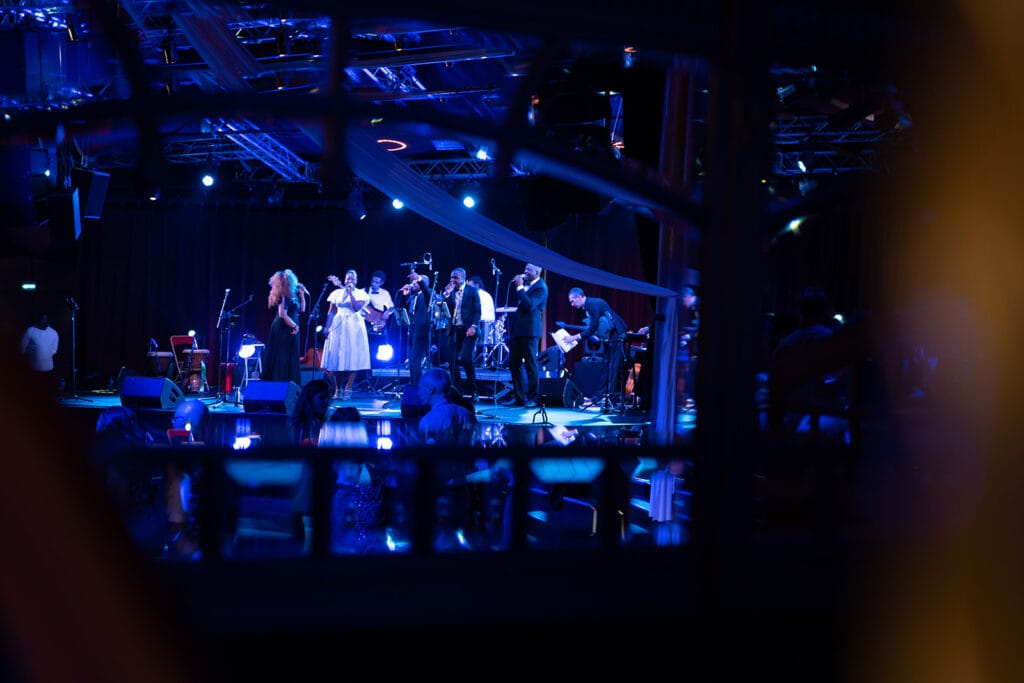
(561, 338)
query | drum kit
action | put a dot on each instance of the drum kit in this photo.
(492, 349)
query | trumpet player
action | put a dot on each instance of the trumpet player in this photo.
(413, 298)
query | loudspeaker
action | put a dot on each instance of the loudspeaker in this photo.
(150, 392)
(271, 397)
(92, 189)
(591, 378)
(412, 404)
(65, 222)
(559, 391)
(122, 375)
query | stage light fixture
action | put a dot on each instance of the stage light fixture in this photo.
(28, 286)
(208, 179)
(397, 203)
(355, 205)
(385, 352)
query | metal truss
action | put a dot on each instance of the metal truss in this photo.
(831, 162)
(822, 129)
(459, 169)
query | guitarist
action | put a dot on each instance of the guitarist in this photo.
(377, 312)
(603, 325)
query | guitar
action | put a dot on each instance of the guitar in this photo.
(604, 328)
(376, 319)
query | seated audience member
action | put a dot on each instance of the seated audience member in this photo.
(795, 391)
(188, 428)
(448, 422)
(310, 412)
(133, 482)
(306, 421)
(356, 525)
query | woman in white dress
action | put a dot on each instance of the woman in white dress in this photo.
(347, 348)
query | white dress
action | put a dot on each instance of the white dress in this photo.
(348, 346)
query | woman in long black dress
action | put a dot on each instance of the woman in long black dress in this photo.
(281, 361)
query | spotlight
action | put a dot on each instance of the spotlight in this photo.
(397, 203)
(208, 180)
(385, 352)
(468, 201)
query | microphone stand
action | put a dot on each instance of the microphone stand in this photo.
(228, 319)
(311, 322)
(74, 354)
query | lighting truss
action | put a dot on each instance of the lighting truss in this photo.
(831, 162)
(459, 169)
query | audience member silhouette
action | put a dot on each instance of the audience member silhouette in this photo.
(796, 389)
(188, 428)
(305, 421)
(133, 481)
(356, 524)
(448, 422)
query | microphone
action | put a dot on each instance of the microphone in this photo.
(495, 270)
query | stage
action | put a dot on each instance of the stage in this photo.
(379, 400)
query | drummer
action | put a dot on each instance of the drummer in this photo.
(486, 309)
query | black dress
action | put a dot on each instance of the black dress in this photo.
(281, 360)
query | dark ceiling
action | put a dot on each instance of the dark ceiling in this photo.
(152, 92)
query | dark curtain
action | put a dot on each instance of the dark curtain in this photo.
(147, 272)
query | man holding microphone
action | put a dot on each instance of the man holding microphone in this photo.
(524, 336)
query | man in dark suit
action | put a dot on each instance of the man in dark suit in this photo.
(413, 299)
(463, 302)
(603, 325)
(524, 336)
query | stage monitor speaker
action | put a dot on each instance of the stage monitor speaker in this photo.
(123, 374)
(271, 397)
(559, 391)
(92, 190)
(412, 404)
(590, 378)
(150, 392)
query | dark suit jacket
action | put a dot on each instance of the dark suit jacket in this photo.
(597, 309)
(529, 317)
(421, 316)
(470, 306)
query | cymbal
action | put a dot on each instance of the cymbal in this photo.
(505, 309)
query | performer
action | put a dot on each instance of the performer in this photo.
(39, 346)
(486, 300)
(378, 312)
(347, 348)
(604, 325)
(413, 299)
(463, 302)
(281, 360)
(524, 336)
